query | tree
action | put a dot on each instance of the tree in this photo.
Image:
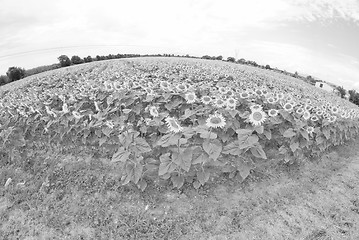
(4, 80)
(76, 60)
(231, 59)
(268, 67)
(15, 73)
(64, 61)
(241, 61)
(219, 58)
(88, 59)
(342, 91)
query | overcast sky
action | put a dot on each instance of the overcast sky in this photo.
(315, 37)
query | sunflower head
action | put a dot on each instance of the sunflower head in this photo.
(306, 115)
(257, 117)
(219, 103)
(314, 118)
(288, 107)
(154, 111)
(173, 125)
(206, 100)
(244, 95)
(300, 111)
(190, 97)
(273, 112)
(216, 121)
(310, 130)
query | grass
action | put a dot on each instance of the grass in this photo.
(76, 196)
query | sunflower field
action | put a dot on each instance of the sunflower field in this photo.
(172, 119)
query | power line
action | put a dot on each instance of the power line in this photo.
(70, 47)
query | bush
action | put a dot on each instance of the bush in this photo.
(15, 73)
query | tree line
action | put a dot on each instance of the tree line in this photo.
(17, 73)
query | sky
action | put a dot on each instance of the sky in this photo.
(313, 37)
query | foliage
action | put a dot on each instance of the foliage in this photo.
(88, 59)
(15, 73)
(231, 59)
(64, 61)
(342, 91)
(4, 79)
(41, 69)
(175, 120)
(76, 60)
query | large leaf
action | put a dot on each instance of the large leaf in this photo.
(141, 146)
(289, 133)
(121, 155)
(294, 146)
(232, 148)
(203, 158)
(177, 181)
(203, 176)
(213, 148)
(168, 140)
(183, 158)
(258, 151)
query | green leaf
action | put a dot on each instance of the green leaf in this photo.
(208, 135)
(177, 181)
(102, 140)
(213, 148)
(259, 129)
(137, 172)
(196, 184)
(168, 140)
(141, 145)
(294, 146)
(258, 151)
(247, 141)
(107, 131)
(244, 133)
(232, 148)
(203, 176)
(268, 134)
(183, 159)
(121, 155)
(201, 159)
(289, 133)
(142, 184)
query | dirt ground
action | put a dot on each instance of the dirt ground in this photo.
(74, 196)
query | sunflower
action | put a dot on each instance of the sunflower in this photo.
(190, 97)
(164, 85)
(288, 107)
(319, 113)
(65, 108)
(257, 117)
(215, 121)
(306, 115)
(300, 111)
(273, 112)
(335, 110)
(258, 92)
(271, 100)
(181, 88)
(231, 102)
(256, 107)
(314, 118)
(154, 111)
(173, 125)
(326, 115)
(222, 90)
(310, 130)
(206, 100)
(219, 103)
(108, 86)
(244, 95)
(280, 96)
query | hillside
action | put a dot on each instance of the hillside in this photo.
(173, 148)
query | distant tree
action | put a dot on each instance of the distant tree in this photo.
(64, 61)
(231, 59)
(219, 58)
(342, 91)
(88, 59)
(241, 61)
(206, 57)
(15, 73)
(4, 80)
(76, 60)
(267, 67)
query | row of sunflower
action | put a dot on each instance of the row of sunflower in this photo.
(175, 119)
